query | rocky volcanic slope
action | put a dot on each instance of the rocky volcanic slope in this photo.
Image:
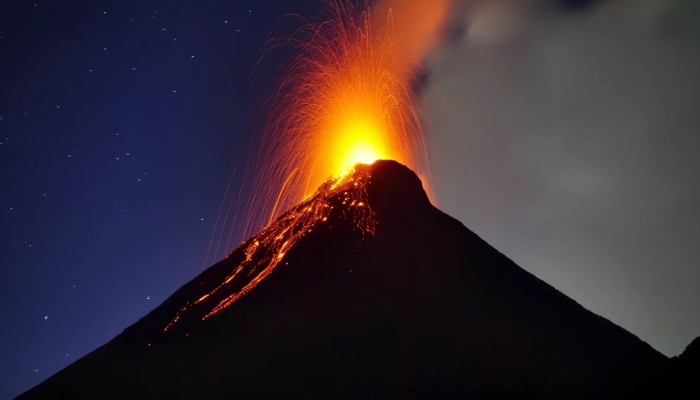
(421, 309)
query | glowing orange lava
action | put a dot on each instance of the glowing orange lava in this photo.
(344, 98)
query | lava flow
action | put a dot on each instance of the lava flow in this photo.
(264, 251)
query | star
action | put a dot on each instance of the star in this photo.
(46, 317)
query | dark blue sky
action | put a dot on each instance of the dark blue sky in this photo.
(121, 124)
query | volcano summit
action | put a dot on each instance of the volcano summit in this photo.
(367, 290)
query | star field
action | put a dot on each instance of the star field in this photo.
(119, 125)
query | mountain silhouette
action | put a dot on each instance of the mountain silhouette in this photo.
(366, 290)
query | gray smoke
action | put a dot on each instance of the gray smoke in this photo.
(568, 138)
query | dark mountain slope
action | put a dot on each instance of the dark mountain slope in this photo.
(423, 308)
(681, 375)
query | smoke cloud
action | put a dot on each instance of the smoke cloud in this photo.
(417, 24)
(566, 135)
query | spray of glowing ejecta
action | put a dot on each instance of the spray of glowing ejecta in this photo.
(343, 99)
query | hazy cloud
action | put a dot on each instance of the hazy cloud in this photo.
(567, 134)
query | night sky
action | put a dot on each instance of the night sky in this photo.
(122, 122)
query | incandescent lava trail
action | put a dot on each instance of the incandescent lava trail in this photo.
(264, 251)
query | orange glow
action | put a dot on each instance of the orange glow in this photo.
(361, 152)
(419, 23)
(344, 99)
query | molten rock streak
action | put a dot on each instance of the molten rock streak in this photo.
(266, 250)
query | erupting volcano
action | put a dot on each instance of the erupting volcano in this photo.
(361, 288)
(343, 98)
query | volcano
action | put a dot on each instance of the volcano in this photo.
(366, 290)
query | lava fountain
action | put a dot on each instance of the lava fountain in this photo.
(343, 98)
